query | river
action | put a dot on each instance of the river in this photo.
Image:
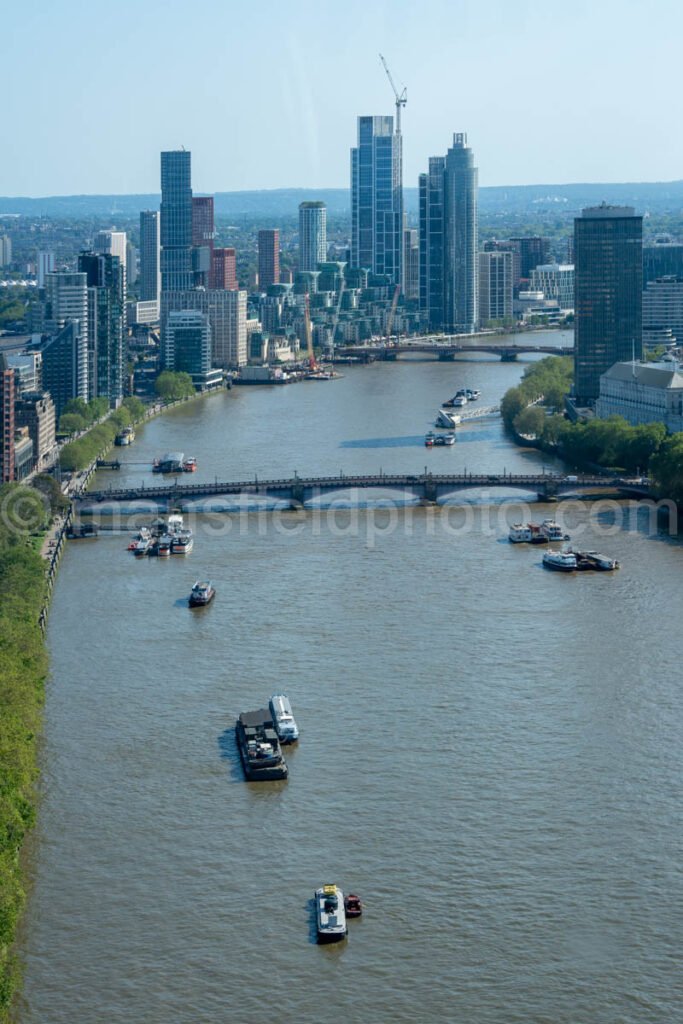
(490, 753)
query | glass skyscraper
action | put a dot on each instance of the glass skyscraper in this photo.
(106, 292)
(176, 221)
(149, 284)
(377, 199)
(608, 281)
(448, 240)
(312, 235)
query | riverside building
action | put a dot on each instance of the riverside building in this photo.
(643, 393)
(608, 244)
(377, 199)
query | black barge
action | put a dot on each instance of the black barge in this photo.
(259, 747)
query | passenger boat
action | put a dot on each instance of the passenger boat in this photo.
(593, 560)
(182, 542)
(472, 394)
(190, 465)
(458, 400)
(283, 719)
(125, 437)
(202, 593)
(330, 914)
(444, 439)
(259, 747)
(520, 533)
(560, 561)
(353, 905)
(163, 546)
(553, 531)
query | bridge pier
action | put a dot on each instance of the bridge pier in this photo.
(429, 492)
(508, 357)
(446, 357)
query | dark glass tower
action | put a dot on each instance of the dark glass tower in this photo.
(105, 324)
(377, 198)
(176, 221)
(608, 249)
(148, 285)
(431, 186)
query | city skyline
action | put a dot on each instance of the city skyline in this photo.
(520, 61)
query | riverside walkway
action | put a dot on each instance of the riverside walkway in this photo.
(428, 487)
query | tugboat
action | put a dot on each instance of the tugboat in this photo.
(560, 561)
(353, 905)
(259, 747)
(202, 593)
(330, 914)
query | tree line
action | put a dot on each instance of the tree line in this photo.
(533, 411)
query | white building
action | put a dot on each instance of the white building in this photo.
(5, 250)
(45, 265)
(227, 313)
(114, 243)
(26, 368)
(495, 286)
(663, 306)
(643, 393)
(556, 281)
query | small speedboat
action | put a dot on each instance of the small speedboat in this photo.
(202, 593)
(330, 914)
(560, 561)
(353, 905)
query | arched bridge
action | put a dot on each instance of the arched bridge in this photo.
(298, 490)
(446, 352)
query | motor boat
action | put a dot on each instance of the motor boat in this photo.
(353, 905)
(330, 914)
(560, 561)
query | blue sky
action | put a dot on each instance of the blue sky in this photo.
(266, 94)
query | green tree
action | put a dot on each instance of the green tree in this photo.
(172, 386)
(78, 407)
(530, 421)
(135, 407)
(71, 423)
(666, 469)
(49, 487)
(98, 407)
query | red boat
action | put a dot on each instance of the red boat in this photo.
(353, 905)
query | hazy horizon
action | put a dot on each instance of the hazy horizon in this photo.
(264, 92)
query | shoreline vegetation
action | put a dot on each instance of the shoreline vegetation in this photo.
(532, 415)
(26, 514)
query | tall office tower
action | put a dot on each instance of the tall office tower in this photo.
(5, 250)
(608, 247)
(7, 424)
(106, 307)
(66, 299)
(188, 344)
(377, 198)
(312, 235)
(495, 286)
(150, 263)
(268, 258)
(65, 365)
(533, 250)
(176, 221)
(227, 313)
(411, 264)
(113, 243)
(45, 265)
(224, 269)
(449, 268)
(432, 254)
(203, 235)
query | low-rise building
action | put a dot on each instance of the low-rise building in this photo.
(643, 393)
(35, 410)
(556, 281)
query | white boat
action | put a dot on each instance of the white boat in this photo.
(330, 914)
(459, 401)
(142, 546)
(520, 534)
(560, 561)
(553, 531)
(472, 394)
(447, 419)
(441, 439)
(182, 542)
(283, 719)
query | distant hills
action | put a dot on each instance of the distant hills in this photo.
(652, 197)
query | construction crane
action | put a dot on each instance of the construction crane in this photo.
(401, 98)
(392, 313)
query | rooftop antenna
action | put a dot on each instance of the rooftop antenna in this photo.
(401, 98)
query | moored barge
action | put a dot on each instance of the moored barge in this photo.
(259, 747)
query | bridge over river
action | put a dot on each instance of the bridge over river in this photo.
(447, 351)
(296, 490)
